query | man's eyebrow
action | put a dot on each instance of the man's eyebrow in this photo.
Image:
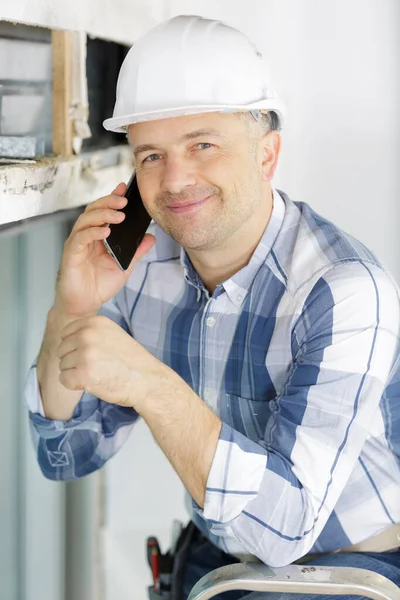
(188, 136)
(201, 133)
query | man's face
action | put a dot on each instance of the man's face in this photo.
(199, 176)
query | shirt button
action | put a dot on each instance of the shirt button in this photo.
(210, 321)
(239, 297)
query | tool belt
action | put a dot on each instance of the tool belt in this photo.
(172, 564)
(171, 567)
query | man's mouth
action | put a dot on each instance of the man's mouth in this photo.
(187, 206)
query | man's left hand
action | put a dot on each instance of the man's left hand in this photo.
(98, 356)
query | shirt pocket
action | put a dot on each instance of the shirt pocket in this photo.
(249, 417)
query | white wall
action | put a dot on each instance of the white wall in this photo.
(107, 19)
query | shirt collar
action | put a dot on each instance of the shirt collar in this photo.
(237, 287)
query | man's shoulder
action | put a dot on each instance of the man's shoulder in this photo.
(165, 249)
(310, 245)
(158, 267)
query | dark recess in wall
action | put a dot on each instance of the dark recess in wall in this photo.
(103, 63)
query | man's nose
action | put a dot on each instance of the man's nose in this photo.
(177, 175)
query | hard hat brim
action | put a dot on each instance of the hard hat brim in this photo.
(119, 124)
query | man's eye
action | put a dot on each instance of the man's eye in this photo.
(151, 158)
(204, 144)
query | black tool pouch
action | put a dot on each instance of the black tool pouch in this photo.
(172, 568)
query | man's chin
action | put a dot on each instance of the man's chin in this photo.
(189, 241)
(190, 237)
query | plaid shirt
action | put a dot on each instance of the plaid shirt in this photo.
(298, 354)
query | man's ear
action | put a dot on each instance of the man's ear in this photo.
(271, 147)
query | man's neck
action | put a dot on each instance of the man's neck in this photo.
(219, 264)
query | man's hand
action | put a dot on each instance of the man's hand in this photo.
(88, 276)
(98, 356)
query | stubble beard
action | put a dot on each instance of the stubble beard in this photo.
(219, 226)
(191, 235)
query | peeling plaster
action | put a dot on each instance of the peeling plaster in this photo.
(56, 184)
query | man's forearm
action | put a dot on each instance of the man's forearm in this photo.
(186, 430)
(58, 402)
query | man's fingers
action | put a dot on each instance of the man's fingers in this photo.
(80, 240)
(68, 361)
(73, 328)
(98, 218)
(88, 324)
(67, 346)
(120, 189)
(112, 200)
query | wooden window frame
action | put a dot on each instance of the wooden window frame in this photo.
(61, 42)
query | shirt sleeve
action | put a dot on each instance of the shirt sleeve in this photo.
(275, 500)
(69, 449)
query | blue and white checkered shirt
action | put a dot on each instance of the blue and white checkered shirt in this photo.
(298, 354)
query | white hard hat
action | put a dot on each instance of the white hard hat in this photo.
(190, 65)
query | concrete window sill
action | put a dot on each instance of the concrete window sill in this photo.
(52, 184)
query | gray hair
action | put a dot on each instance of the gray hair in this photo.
(261, 122)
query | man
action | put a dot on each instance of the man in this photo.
(258, 341)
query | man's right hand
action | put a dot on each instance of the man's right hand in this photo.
(88, 276)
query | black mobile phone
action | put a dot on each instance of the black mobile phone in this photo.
(126, 237)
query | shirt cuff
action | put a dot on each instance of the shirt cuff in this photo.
(44, 426)
(235, 476)
(33, 399)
